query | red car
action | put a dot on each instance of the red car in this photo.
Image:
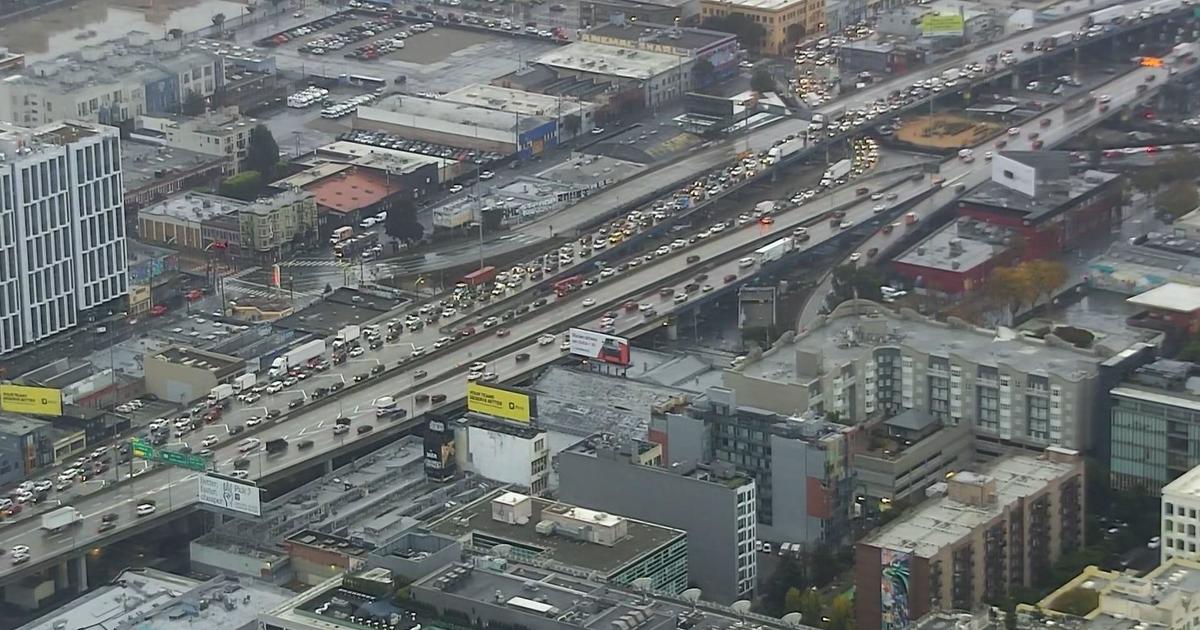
(194, 294)
(730, 278)
(158, 310)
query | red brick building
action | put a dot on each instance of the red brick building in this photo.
(1033, 207)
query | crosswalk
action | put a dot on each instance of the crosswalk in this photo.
(314, 262)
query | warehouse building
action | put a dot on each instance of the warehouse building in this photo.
(459, 125)
(573, 116)
(660, 77)
(718, 48)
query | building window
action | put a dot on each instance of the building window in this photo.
(939, 397)
(1037, 417)
(987, 408)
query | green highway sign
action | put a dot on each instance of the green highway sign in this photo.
(184, 460)
(148, 452)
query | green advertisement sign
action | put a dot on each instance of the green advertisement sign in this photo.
(934, 24)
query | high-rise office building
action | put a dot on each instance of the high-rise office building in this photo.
(62, 232)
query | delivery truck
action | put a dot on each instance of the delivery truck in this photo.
(385, 406)
(276, 446)
(60, 519)
(244, 383)
(1061, 39)
(839, 170)
(779, 153)
(346, 336)
(773, 251)
(1108, 15)
(480, 276)
(340, 234)
(219, 393)
(296, 357)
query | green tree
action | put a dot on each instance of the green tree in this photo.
(762, 81)
(794, 33)
(1047, 276)
(788, 574)
(750, 33)
(176, 34)
(402, 222)
(850, 281)
(1178, 199)
(571, 124)
(262, 154)
(1078, 601)
(1012, 287)
(245, 185)
(702, 72)
(218, 20)
(841, 613)
(193, 103)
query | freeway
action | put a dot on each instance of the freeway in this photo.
(979, 55)
(175, 490)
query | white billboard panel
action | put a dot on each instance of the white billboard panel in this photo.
(599, 346)
(230, 494)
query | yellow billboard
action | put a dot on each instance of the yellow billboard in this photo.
(501, 402)
(935, 24)
(41, 401)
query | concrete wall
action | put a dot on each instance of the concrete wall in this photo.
(707, 511)
(176, 382)
(495, 455)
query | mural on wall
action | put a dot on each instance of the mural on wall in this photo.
(893, 601)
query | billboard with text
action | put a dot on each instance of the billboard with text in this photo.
(38, 401)
(235, 495)
(597, 346)
(501, 402)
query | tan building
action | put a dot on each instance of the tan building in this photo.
(785, 21)
(274, 223)
(224, 133)
(991, 531)
(1166, 598)
(252, 309)
(182, 375)
(180, 222)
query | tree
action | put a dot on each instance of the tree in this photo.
(571, 124)
(245, 185)
(218, 20)
(1078, 601)
(850, 281)
(175, 34)
(1178, 199)
(702, 72)
(750, 33)
(762, 81)
(193, 103)
(1046, 275)
(807, 602)
(841, 613)
(794, 33)
(402, 223)
(1012, 287)
(262, 154)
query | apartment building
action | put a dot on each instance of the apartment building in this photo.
(109, 83)
(715, 505)
(1180, 517)
(509, 452)
(62, 233)
(866, 361)
(1154, 430)
(786, 22)
(271, 226)
(1165, 598)
(893, 461)
(992, 531)
(223, 133)
(800, 464)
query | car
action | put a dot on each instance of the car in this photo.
(249, 444)
(104, 527)
(589, 302)
(420, 374)
(356, 351)
(1014, 131)
(855, 257)
(522, 357)
(20, 550)
(303, 444)
(275, 388)
(879, 208)
(209, 440)
(110, 517)
(239, 474)
(366, 428)
(254, 421)
(20, 559)
(455, 189)
(746, 262)
(486, 175)
(145, 509)
(295, 402)
(546, 339)
(597, 131)
(341, 429)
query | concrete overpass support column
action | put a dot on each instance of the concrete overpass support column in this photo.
(81, 581)
(329, 466)
(1016, 82)
(673, 331)
(62, 576)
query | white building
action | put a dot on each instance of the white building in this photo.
(1180, 509)
(508, 452)
(662, 77)
(222, 133)
(62, 242)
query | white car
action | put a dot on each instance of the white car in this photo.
(589, 302)
(474, 376)
(1104, 98)
(356, 351)
(209, 440)
(855, 257)
(20, 550)
(746, 262)
(248, 444)
(254, 421)
(478, 366)
(546, 339)
(275, 387)
(565, 345)
(240, 474)
(455, 189)
(486, 175)
(1014, 131)
(879, 208)
(145, 509)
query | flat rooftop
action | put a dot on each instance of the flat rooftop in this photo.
(1187, 484)
(943, 521)
(659, 34)
(194, 207)
(1131, 269)
(132, 58)
(585, 171)
(50, 136)
(143, 163)
(1053, 197)
(398, 161)
(949, 250)
(446, 117)
(610, 60)
(516, 101)
(200, 359)
(756, 5)
(1172, 296)
(13, 424)
(579, 404)
(352, 190)
(474, 525)
(849, 336)
(149, 598)
(326, 542)
(311, 175)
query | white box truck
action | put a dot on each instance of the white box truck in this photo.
(60, 519)
(244, 382)
(773, 251)
(781, 152)
(296, 356)
(1107, 15)
(839, 169)
(347, 335)
(385, 406)
(219, 393)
